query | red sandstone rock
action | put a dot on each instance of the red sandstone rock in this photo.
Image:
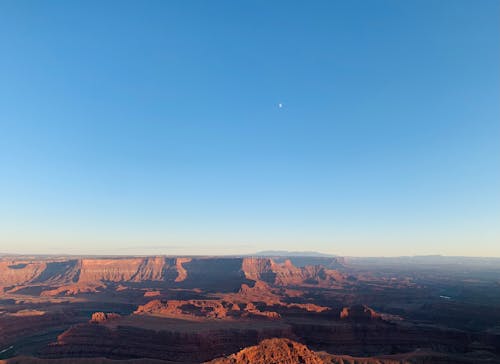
(273, 351)
(152, 293)
(91, 275)
(286, 274)
(210, 309)
(103, 317)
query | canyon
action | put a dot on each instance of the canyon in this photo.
(296, 309)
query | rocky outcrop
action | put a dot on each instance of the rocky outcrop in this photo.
(259, 269)
(286, 351)
(358, 313)
(207, 309)
(286, 274)
(273, 351)
(257, 301)
(263, 294)
(420, 357)
(203, 308)
(128, 270)
(91, 272)
(98, 317)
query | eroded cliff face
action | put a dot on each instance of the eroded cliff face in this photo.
(195, 309)
(130, 270)
(287, 274)
(74, 276)
(128, 342)
(98, 317)
(206, 309)
(87, 275)
(19, 272)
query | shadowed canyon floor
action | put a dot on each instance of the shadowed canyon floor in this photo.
(297, 309)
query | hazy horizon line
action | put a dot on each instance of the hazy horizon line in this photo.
(256, 254)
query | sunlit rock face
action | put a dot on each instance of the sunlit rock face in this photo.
(273, 351)
(195, 309)
(103, 317)
(75, 276)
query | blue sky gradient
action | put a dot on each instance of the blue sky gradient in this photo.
(153, 127)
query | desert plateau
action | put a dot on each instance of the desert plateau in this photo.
(249, 309)
(249, 182)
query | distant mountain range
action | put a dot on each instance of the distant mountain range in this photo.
(286, 253)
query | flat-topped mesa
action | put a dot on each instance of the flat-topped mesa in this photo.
(91, 270)
(103, 317)
(285, 274)
(208, 309)
(20, 272)
(112, 270)
(93, 275)
(358, 313)
(130, 269)
(259, 269)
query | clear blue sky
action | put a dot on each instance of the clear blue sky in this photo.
(153, 127)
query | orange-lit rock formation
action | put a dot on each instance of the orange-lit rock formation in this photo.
(103, 316)
(210, 309)
(273, 351)
(91, 275)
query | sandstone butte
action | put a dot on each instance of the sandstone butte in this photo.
(103, 317)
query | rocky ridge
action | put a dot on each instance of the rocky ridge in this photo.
(273, 351)
(91, 275)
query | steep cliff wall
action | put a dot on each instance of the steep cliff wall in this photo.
(91, 272)
(14, 272)
(287, 274)
(133, 342)
(75, 276)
